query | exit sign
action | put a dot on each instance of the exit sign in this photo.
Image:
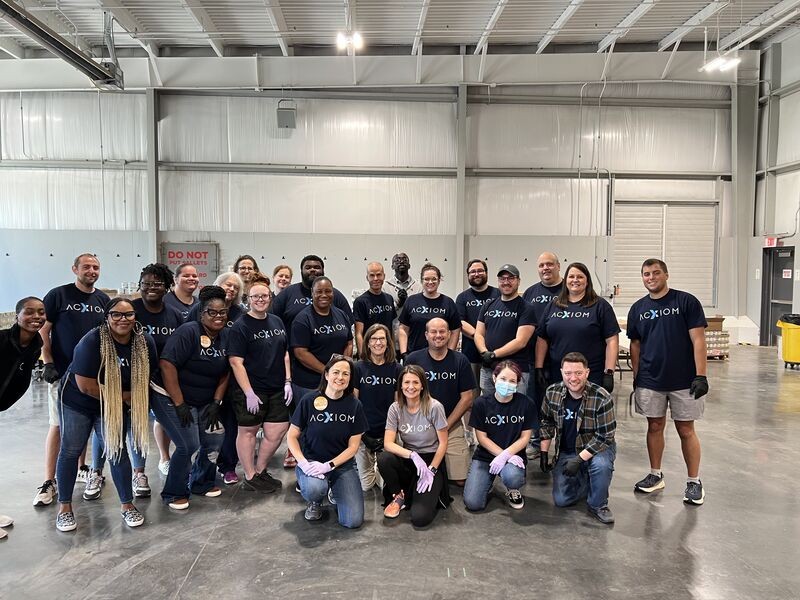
(770, 242)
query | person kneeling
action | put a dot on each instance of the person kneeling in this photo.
(414, 474)
(503, 421)
(577, 428)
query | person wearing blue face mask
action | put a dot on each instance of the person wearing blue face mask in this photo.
(503, 421)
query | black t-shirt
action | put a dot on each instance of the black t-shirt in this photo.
(539, 296)
(419, 309)
(73, 314)
(294, 299)
(447, 378)
(159, 325)
(262, 343)
(376, 385)
(570, 432)
(16, 365)
(371, 308)
(502, 320)
(323, 335)
(666, 355)
(581, 329)
(469, 304)
(502, 422)
(199, 369)
(235, 312)
(86, 363)
(172, 300)
(328, 425)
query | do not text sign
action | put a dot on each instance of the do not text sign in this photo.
(203, 255)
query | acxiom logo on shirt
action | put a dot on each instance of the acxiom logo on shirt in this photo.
(444, 376)
(378, 310)
(504, 420)
(409, 428)
(428, 310)
(123, 362)
(265, 334)
(213, 352)
(159, 330)
(661, 312)
(541, 299)
(84, 308)
(477, 302)
(327, 417)
(329, 329)
(303, 301)
(375, 380)
(501, 314)
(563, 314)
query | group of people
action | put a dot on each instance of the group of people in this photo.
(251, 357)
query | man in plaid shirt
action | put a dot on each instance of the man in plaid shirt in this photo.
(578, 422)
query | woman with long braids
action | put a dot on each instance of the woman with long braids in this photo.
(186, 399)
(106, 390)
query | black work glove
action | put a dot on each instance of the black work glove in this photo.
(184, 414)
(50, 375)
(372, 444)
(573, 465)
(699, 386)
(487, 359)
(541, 380)
(402, 296)
(401, 357)
(544, 462)
(608, 382)
(212, 417)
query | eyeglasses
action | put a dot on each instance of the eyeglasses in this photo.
(151, 284)
(216, 313)
(119, 316)
(259, 297)
(476, 272)
(430, 279)
(507, 278)
(377, 339)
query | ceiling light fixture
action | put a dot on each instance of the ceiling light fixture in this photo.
(349, 40)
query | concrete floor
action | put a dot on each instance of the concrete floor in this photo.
(741, 544)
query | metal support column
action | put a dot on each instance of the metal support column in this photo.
(773, 108)
(153, 224)
(461, 181)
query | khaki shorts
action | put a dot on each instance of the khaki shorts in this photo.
(682, 405)
(458, 456)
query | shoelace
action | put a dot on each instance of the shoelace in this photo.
(45, 486)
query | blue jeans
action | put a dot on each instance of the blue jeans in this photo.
(479, 482)
(75, 431)
(346, 486)
(186, 477)
(591, 482)
(487, 387)
(99, 458)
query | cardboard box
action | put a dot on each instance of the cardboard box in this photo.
(715, 323)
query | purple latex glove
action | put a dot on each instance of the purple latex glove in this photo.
(421, 465)
(288, 394)
(499, 462)
(425, 481)
(517, 461)
(306, 466)
(318, 469)
(253, 402)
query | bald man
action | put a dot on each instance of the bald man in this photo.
(373, 306)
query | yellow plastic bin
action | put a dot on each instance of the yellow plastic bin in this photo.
(789, 325)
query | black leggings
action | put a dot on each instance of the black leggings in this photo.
(401, 474)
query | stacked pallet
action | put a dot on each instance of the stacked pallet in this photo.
(718, 341)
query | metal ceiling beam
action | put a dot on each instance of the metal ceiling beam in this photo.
(126, 20)
(278, 23)
(703, 15)
(498, 10)
(57, 20)
(558, 25)
(202, 18)
(12, 48)
(626, 23)
(423, 15)
(765, 18)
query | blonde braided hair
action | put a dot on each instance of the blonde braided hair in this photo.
(111, 403)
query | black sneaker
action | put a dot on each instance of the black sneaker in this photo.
(694, 493)
(267, 477)
(651, 483)
(515, 499)
(256, 484)
(602, 514)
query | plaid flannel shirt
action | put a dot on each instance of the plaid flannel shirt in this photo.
(597, 419)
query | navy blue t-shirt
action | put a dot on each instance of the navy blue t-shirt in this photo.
(86, 363)
(570, 431)
(419, 309)
(376, 385)
(294, 299)
(323, 335)
(160, 325)
(199, 369)
(469, 304)
(172, 300)
(502, 422)
(73, 314)
(581, 329)
(327, 430)
(371, 308)
(666, 355)
(502, 319)
(539, 296)
(262, 343)
(447, 378)
(234, 314)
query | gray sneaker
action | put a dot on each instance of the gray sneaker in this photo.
(694, 493)
(602, 514)
(331, 499)
(314, 511)
(651, 483)
(141, 487)
(94, 486)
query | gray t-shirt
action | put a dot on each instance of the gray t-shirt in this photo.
(417, 431)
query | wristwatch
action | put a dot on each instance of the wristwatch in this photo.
(433, 469)
(331, 465)
(609, 372)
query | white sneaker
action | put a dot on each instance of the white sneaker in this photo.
(94, 486)
(83, 474)
(6, 521)
(141, 487)
(163, 467)
(46, 493)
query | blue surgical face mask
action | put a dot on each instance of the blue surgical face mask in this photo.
(504, 388)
